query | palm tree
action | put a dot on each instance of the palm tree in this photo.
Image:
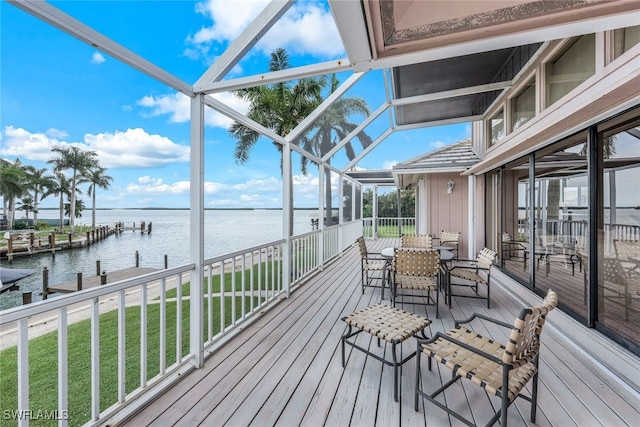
(27, 205)
(97, 178)
(79, 161)
(77, 211)
(332, 127)
(38, 182)
(12, 178)
(279, 107)
(61, 187)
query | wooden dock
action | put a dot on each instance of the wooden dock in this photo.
(93, 281)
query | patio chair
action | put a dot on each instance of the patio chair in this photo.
(373, 265)
(628, 252)
(416, 241)
(476, 271)
(614, 283)
(414, 276)
(512, 249)
(502, 370)
(450, 238)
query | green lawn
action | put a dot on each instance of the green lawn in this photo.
(43, 359)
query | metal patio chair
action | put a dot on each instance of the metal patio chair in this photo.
(416, 241)
(502, 370)
(373, 265)
(477, 271)
(414, 276)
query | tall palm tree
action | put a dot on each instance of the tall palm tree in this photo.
(27, 205)
(279, 107)
(61, 187)
(332, 127)
(38, 183)
(12, 178)
(97, 178)
(80, 162)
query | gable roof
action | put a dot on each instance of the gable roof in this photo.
(457, 157)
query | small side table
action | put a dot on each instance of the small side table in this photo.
(390, 324)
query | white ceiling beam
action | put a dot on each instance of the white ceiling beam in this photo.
(354, 132)
(241, 118)
(245, 41)
(569, 29)
(452, 93)
(323, 68)
(46, 12)
(368, 149)
(334, 96)
(439, 122)
(351, 23)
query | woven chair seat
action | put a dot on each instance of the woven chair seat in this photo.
(421, 283)
(375, 265)
(387, 323)
(468, 274)
(480, 370)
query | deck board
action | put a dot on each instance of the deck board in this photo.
(285, 368)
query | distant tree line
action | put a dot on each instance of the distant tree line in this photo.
(388, 204)
(23, 187)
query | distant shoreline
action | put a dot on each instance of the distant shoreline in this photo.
(184, 209)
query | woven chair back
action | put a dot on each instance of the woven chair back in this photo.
(362, 246)
(416, 241)
(416, 262)
(486, 257)
(626, 249)
(452, 237)
(524, 341)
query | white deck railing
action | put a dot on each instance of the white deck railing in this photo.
(388, 227)
(151, 318)
(88, 305)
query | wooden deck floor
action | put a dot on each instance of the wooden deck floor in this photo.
(285, 368)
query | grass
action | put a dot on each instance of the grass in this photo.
(43, 374)
(389, 230)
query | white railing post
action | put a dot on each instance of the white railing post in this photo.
(196, 231)
(63, 368)
(287, 210)
(23, 371)
(321, 222)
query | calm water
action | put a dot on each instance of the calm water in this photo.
(225, 231)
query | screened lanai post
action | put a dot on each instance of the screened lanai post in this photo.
(287, 204)
(399, 212)
(321, 215)
(196, 229)
(374, 213)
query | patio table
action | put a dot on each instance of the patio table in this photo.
(541, 253)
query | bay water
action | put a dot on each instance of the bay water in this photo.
(225, 231)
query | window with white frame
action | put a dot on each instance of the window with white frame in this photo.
(523, 105)
(624, 39)
(496, 128)
(575, 65)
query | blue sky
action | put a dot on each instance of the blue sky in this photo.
(56, 90)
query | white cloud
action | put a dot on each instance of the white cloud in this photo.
(97, 58)
(388, 164)
(306, 28)
(131, 148)
(178, 107)
(135, 148)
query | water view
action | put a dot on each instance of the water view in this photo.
(225, 231)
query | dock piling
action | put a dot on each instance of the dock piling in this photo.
(45, 282)
(137, 259)
(103, 277)
(79, 281)
(26, 298)
(97, 267)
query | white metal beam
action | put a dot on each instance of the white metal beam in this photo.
(46, 12)
(245, 41)
(323, 68)
(452, 93)
(233, 114)
(439, 123)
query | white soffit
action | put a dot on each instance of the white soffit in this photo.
(350, 21)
